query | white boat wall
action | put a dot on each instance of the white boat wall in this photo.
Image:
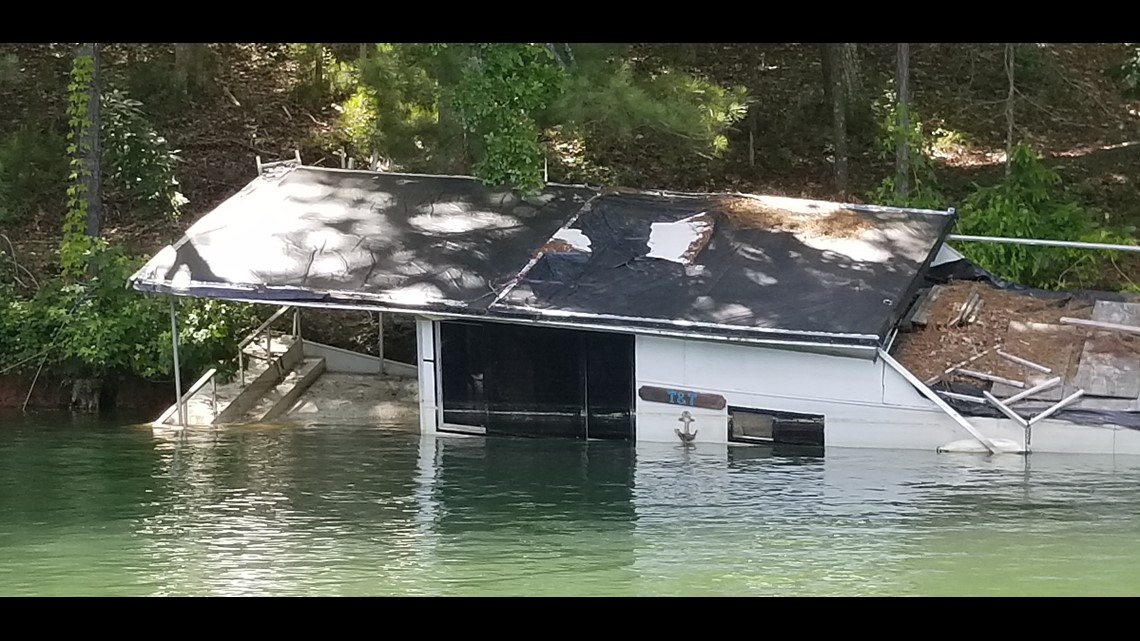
(864, 402)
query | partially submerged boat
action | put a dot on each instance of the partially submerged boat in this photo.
(699, 319)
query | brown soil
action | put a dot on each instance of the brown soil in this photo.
(751, 213)
(930, 350)
(555, 246)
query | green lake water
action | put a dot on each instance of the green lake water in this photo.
(97, 508)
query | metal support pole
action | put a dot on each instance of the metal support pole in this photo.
(214, 394)
(380, 339)
(177, 372)
(1038, 242)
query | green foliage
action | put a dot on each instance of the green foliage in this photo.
(1030, 204)
(1128, 73)
(924, 191)
(500, 90)
(33, 166)
(86, 322)
(76, 246)
(138, 164)
(431, 106)
(322, 76)
(394, 111)
(99, 326)
(604, 98)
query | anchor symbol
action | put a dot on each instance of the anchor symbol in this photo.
(686, 436)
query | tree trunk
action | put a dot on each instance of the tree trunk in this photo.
(318, 51)
(190, 65)
(93, 179)
(839, 117)
(852, 77)
(825, 68)
(1009, 52)
(902, 151)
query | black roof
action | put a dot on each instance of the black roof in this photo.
(746, 267)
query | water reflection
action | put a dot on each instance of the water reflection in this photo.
(98, 509)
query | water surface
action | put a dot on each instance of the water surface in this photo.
(96, 508)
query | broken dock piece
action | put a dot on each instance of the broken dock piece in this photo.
(991, 378)
(966, 312)
(1024, 362)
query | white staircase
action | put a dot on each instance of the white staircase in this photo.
(275, 371)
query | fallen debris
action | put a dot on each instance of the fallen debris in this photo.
(1027, 363)
(1015, 322)
(990, 377)
(967, 312)
(1116, 327)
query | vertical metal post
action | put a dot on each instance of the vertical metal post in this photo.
(214, 393)
(241, 365)
(380, 339)
(177, 371)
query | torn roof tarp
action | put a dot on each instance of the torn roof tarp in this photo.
(740, 267)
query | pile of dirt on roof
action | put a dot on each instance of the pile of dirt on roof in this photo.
(929, 350)
(753, 213)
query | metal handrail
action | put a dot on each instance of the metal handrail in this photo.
(1041, 242)
(180, 402)
(253, 336)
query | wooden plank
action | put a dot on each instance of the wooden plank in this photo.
(1108, 370)
(986, 376)
(681, 397)
(1116, 327)
(922, 308)
(1024, 362)
(1036, 389)
(1120, 313)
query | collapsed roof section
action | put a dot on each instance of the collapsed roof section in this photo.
(741, 267)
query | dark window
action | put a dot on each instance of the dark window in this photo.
(536, 381)
(747, 425)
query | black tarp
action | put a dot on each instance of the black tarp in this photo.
(449, 245)
(419, 242)
(750, 279)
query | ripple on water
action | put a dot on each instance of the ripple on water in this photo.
(103, 509)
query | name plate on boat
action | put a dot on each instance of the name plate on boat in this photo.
(681, 397)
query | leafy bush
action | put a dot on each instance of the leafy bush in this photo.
(100, 327)
(138, 164)
(1029, 204)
